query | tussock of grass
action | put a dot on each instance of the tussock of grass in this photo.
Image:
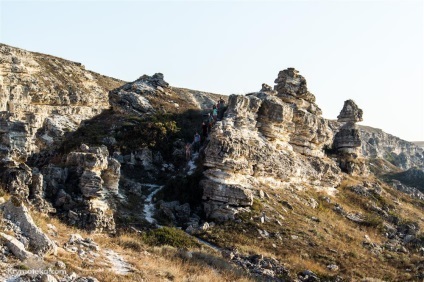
(169, 236)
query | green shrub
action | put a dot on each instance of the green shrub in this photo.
(373, 220)
(170, 236)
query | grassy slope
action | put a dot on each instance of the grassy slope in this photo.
(150, 261)
(315, 238)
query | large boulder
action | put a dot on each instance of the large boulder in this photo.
(15, 211)
(15, 246)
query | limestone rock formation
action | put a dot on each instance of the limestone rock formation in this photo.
(150, 94)
(44, 92)
(83, 186)
(15, 211)
(16, 247)
(347, 141)
(266, 141)
(292, 88)
(378, 144)
(350, 112)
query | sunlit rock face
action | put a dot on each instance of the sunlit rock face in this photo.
(42, 97)
(378, 144)
(271, 139)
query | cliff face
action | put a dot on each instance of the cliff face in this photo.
(267, 140)
(378, 144)
(42, 97)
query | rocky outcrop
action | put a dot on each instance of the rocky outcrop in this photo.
(15, 211)
(350, 112)
(311, 131)
(41, 99)
(16, 247)
(83, 188)
(347, 141)
(348, 138)
(151, 94)
(41, 92)
(266, 139)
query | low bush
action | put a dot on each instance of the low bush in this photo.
(170, 236)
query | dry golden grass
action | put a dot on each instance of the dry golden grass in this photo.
(328, 238)
(148, 263)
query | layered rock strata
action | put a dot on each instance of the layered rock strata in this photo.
(28, 239)
(42, 97)
(378, 144)
(83, 188)
(270, 139)
(347, 141)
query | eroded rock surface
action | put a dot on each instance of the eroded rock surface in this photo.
(46, 93)
(39, 243)
(266, 140)
(83, 188)
(347, 140)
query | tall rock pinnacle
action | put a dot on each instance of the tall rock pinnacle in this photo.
(350, 112)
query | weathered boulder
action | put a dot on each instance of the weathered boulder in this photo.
(15, 246)
(235, 195)
(17, 180)
(267, 88)
(290, 82)
(16, 211)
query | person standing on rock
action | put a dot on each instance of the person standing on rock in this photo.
(221, 108)
(196, 142)
(188, 151)
(211, 120)
(204, 131)
(214, 113)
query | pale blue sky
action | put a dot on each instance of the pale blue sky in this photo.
(368, 51)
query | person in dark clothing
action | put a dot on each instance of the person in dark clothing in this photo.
(204, 131)
(196, 142)
(188, 151)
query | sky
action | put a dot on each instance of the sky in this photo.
(368, 51)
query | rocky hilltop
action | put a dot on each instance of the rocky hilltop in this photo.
(43, 97)
(95, 176)
(267, 140)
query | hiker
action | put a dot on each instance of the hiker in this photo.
(211, 121)
(204, 131)
(221, 108)
(196, 143)
(214, 113)
(188, 151)
(221, 102)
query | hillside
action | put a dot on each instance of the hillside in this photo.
(96, 182)
(419, 144)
